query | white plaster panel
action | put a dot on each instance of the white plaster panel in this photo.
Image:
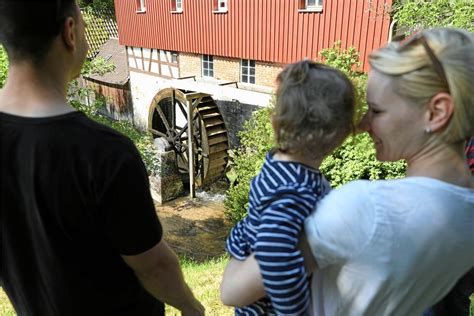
(131, 62)
(146, 53)
(154, 68)
(165, 70)
(163, 55)
(175, 72)
(147, 65)
(154, 54)
(137, 52)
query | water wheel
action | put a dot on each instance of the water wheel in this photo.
(168, 119)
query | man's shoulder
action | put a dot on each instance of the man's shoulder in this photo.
(99, 136)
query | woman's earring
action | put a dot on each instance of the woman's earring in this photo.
(427, 130)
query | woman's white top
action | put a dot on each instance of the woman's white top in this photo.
(389, 247)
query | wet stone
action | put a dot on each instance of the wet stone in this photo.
(167, 185)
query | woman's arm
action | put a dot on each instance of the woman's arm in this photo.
(242, 282)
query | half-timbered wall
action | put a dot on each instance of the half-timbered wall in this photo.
(151, 61)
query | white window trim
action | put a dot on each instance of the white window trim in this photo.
(142, 8)
(208, 69)
(180, 9)
(248, 74)
(318, 7)
(221, 9)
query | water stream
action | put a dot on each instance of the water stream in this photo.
(196, 228)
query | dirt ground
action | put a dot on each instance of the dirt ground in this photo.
(196, 228)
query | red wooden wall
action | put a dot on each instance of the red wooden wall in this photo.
(264, 30)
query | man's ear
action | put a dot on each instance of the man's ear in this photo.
(69, 33)
(439, 112)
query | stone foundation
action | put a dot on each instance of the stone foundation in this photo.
(167, 185)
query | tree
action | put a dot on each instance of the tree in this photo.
(3, 66)
(97, 4)
(421, 14)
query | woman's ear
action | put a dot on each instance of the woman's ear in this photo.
(439, 112)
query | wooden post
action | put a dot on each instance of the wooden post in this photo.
(192, 192)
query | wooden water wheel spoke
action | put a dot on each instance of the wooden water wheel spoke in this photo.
(163, 118)
(157, 133)
(168, 119)
(173, 114)
(183, 111)
(183, 130)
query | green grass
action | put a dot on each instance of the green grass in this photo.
(204, 280)
(471, 309)
(6, 308)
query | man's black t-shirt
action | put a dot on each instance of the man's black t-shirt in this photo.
(74, 197)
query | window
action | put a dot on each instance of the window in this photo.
(247, 71)
(177, 5)
(140, 5)
(207, 66)
(220, 6)
(313, 4)
(174, 57)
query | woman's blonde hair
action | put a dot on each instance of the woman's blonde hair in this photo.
(418, 77)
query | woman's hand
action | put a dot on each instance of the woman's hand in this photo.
(242, 283)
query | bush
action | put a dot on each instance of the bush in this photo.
(3, 66)
(256, 139)
(421, 14)
(355, 159)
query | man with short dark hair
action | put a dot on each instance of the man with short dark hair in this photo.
(78, 230)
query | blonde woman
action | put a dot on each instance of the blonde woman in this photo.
(396, 247)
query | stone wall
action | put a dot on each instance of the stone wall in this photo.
(226, 69)
(266, 73)
(189, 65)
(235, 114)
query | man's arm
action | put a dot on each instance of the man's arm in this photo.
(159, 272)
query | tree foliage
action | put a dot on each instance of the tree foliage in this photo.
(3, 66)
(97, 4)
(421, 14)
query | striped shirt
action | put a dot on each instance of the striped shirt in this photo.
(470, 153)
(281, 196)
